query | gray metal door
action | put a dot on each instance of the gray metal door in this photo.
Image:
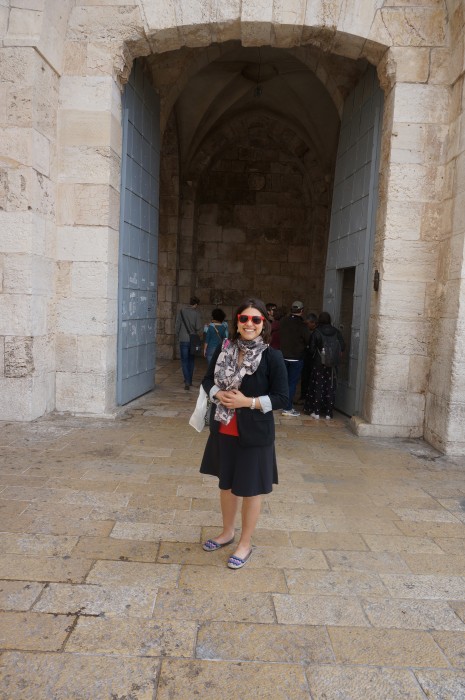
(353, 214)
(138, 249)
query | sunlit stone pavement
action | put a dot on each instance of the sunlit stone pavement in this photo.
(355, 590)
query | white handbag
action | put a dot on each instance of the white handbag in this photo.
(197, 419)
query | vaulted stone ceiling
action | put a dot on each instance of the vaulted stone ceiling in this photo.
(209, 87)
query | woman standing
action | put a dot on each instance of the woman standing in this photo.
(247, 381)
(215, 334)
(321, 394)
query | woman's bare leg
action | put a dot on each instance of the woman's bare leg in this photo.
(229, 505)
(251, 507)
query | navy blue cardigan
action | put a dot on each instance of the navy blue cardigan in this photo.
(270, 379)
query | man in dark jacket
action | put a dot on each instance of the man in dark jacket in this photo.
(188, 321)
(295, 336)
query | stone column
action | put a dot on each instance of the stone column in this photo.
(415, 127)
(445, 399)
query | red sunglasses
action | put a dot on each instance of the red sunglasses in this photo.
(256, 320)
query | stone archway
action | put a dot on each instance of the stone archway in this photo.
(90, 48)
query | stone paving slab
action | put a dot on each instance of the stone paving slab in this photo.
(392, 648)
(21, 568)
(33, 631)
(319, 610)
(188, 604)
(442, 685)
(19, 595)
(66, 676)
(133, 637)
(120, 601)
(228, 681)
(145, 575)
(273, 643)
(359, 683)
(112, 548)
(355, 590)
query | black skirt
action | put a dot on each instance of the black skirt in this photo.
(247, 471)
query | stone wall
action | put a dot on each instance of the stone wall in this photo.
(31, 60)
(254, 229)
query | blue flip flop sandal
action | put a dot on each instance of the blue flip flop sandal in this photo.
(212, 546)
(237, 562)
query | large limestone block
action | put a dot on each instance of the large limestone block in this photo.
(427, 104)
(94, 280)
(87, 243)
(96, 353)
(26, 398)
(403, 220)
(411, 63)
(23, 315)
(411, 182)
(24, 26)
(87, 205)
(28, 274)
(51, 44)
(22, 232)
(357, 17)
(81, 392)
(19, 359)
(406, 262)
(402, 299)
(89, 129)
(388, 372)
(395, 408)
(90, 93)
(407, 26)
(107, 23)
(66, 352)
(24, 147)
(90, 165)
(391, 335)
(78, 316)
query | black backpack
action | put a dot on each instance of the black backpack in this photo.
(330, 352)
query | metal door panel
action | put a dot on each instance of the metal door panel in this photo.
(352, 227)
(138, 238)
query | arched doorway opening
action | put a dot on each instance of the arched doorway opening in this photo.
(248, 160)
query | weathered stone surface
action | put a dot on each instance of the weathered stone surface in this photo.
(33, 631)
(374, 683)
(442, 684)
(385, 647)
(131, 637)
(65, 675)
(111, 601)
(318, 610)
(247, 642)
(206, 678)
(18, 595)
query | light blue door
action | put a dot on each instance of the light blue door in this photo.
(138, 249)
(348, 278)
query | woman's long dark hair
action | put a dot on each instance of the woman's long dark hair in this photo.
(254, 304)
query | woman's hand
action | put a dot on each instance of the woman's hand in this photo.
(233, 399)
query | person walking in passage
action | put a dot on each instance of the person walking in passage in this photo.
(328, 345)
(295, 336)
(246, 381)
(311, 322)
(188, 321)
(215, 334)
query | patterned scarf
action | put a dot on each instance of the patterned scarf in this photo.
(228, 374)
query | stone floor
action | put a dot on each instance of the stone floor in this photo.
(356, 587)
